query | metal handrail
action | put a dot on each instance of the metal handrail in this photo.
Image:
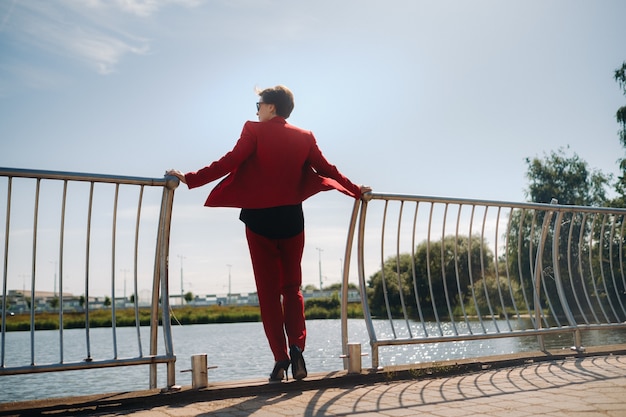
(482, 269)
(160, 296)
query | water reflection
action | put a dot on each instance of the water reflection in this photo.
(430, 352)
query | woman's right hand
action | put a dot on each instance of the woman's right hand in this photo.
(176, 173)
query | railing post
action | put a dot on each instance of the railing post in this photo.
(4, 271)
(199, 371)
(557, 271)
(375, 362)
(161, 277)
(362, 284)
(538, 271)
(354, 358)
(344, 282)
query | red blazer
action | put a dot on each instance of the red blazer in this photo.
(272, 164)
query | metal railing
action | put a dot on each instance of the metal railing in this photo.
(450, 270)
(86, 218)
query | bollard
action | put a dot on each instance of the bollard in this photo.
(354, 358)
(199, 372)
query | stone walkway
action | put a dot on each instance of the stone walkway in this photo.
(569, 386)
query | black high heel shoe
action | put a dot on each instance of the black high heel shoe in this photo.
(280, 371)
(298, 367)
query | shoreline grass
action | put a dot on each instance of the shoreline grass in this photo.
(125, 317)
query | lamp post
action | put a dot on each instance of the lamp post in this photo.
(182, 291)
(54, 290)
(124, 271)
(341, 269)
(229, 287)
(320, 265)
(24, 276)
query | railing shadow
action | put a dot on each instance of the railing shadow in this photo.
(534, 388)
(491, 391)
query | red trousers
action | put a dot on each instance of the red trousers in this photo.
(278, 274)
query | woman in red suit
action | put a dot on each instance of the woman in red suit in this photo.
(271, 170)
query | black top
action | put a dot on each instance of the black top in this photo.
(280, 222)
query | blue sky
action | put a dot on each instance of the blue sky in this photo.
(443, 98)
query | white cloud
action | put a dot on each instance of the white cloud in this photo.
(101, 51)
(98, 48)
(96, 33)
(141, 8)
(146, 8)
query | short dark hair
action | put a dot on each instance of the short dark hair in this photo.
(281, 97)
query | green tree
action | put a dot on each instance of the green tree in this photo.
(566, 178)
(188, 297)
(383, 286)
(489, 291)
(569, 180)
(107, 301)
(463, 259)
(337, 287)
(620, 187)
(455, 274)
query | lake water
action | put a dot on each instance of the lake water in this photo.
(239, 350)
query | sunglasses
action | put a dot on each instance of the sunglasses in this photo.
(258, 105)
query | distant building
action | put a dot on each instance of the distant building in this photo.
(252, 299)
(18, 301)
